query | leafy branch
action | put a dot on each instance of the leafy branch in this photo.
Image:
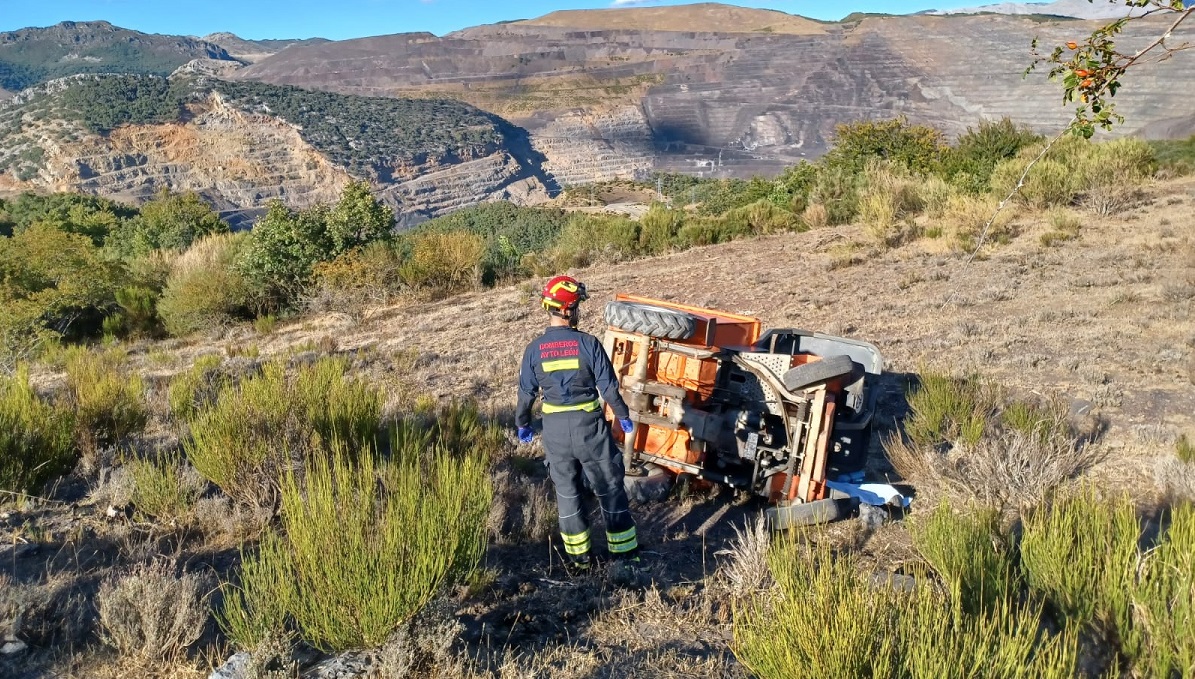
(1091, 69)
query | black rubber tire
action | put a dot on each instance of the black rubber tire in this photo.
(806, 514)
(652, 321)
(805, 376)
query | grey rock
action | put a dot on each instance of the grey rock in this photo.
(345, 666)
(13, 647)
(872, 517)
(236, 667)
(651, 488)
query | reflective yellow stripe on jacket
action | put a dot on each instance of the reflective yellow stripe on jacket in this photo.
(586, 407)
(562, 364)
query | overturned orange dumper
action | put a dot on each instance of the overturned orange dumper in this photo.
(769, 413)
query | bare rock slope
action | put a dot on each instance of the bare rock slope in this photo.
(704, 89)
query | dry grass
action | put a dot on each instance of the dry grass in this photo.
(964, 438)
(746, 570)
(152, 616)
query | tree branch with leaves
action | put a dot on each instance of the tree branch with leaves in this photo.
(1091, 69)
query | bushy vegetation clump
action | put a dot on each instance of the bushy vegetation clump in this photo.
(403, 527)
(247, 439)
(36, 437)
(1079, 579)
(109, 403)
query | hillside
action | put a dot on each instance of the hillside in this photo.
(696, 18)
(251, 51)
(601, 103)
(1079, 9)
(35, 55)
(1104, 323)
(244, 144)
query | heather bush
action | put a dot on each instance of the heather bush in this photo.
(150, 616)
(35, 437)
(256, 430)
(398, 548)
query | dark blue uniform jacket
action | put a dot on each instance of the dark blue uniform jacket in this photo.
(571, 368)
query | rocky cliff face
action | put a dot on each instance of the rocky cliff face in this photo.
(622, 102)
(240, 159)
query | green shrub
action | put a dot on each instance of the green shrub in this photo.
(444, 262)
(258, 608)
(396, 549)
(55, 284)
(830, 618)
(944, 409)
(915, 148)
(1164, 602)
(837, 189)
(171, 220)
(970, 162)
(35, 437)
(358, 219)
(510, 233)
(197, 387)
(280, 251)
(971, 554)
(161, 489)
(1081, 555)
(658, 229)
(1175, 157)
(245, 440)
(1050, 183)
(205, 288)
(966, 216)
(887, 203)
(109, 405)
(758, 218)
(591, 238)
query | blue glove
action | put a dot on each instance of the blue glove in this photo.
(627, 425)
(526, 434)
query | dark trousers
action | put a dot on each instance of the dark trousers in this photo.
(579, 443)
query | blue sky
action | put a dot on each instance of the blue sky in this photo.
(340, 19)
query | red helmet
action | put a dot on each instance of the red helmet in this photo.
(562, 294)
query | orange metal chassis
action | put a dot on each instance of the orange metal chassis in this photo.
(677, 378)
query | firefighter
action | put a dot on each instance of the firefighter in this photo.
(571, 369)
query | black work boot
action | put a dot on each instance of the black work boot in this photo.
(578, 564)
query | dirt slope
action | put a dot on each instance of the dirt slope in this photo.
(1106, 321)
(1107, 318)
(699, 18)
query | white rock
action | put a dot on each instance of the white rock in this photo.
(13, 647)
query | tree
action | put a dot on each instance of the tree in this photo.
(51, 283)
(281, 250)
(358, 219)
(1091, 69)
(171, 220)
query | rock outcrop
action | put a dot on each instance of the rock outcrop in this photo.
(241, 159)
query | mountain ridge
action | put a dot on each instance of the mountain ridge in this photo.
(31, 56)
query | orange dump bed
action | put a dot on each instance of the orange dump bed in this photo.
(714, 328)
